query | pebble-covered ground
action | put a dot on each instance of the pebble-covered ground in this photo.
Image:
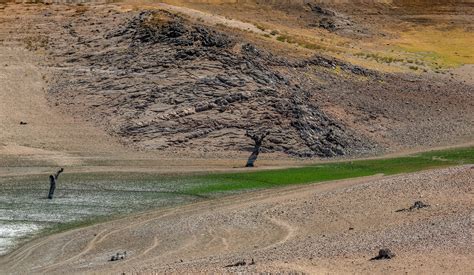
(334, 227)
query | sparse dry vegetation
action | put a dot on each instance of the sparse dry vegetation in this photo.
(80, 9)
(442, 48)
(36, 42)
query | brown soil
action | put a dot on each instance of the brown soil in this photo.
(47, 131)
(336, 227)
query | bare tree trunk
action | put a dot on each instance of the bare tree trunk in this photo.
(258, 139)
(253, 157)
(52, 186)
(52, 183)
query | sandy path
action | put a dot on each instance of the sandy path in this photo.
(304, 229)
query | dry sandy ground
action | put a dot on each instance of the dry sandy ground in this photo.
(22, 98)
(49, 137)
(335, 227)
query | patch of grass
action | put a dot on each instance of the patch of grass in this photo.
(274, 32)
(312, 46)
(260, 27)
(381, 58)
(219, 183)
(449, 48)
(282, 38)
(459, 156)
(301, 42)
(287, 38)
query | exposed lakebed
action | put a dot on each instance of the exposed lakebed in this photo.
(85, 198)
(25, 210)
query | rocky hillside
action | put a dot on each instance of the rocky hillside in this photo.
(161, 81)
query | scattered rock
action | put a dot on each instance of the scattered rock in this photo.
(321, 10)
(334, 22)
(328, 24)
(118, 256)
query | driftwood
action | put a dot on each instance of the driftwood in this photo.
(241, 263)
(416, 205)
(52, 183)
(258, 139)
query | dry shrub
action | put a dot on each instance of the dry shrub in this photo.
(37, 42)
(159, 19)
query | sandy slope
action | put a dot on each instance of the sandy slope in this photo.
(48, 134)
(304, 229)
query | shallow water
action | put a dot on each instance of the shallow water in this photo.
(25, 210)
(10, 232)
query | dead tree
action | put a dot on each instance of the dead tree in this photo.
(52, 183)
(258, 139)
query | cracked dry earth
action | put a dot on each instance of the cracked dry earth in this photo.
(159, 81)
(336, 227)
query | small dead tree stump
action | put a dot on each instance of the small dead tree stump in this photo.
(384, 254)
(258, 139)
(52, 183)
